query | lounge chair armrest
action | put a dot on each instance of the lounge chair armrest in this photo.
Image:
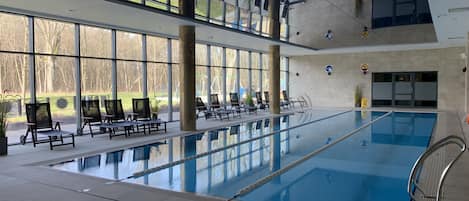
(87, 118)
(30, 124)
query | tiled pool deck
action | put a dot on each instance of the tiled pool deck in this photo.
(22, 178)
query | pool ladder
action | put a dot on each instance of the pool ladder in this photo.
(416, 169)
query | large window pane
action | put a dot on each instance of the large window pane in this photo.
(216, 11)
(14, 82)
(176, 89)
(201, 82)
(160, 4)
(129, 82)
(244, 19)
(54, 37)
(201, 8)
(231, 57)
(55, 83)
(175, 51)
(230, 82)
(283, 80)
(158, 85)
(14, 32)
(129, 45)
(174, 6)
(243, 59)
(216, 56)
(157, 49)
(265, 80)
(96, 79)
(256, 22)
(231, 16)
(244, 82)
(255, 80)
(95, 42)
(217, 81)
(255, 61)
(201, 54)
(265, 26)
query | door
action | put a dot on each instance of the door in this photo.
(403, 89)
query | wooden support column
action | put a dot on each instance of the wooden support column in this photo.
(187, 68)
(274, 57)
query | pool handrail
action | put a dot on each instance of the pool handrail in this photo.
(452, 139)
(268, 178)
(170, 164)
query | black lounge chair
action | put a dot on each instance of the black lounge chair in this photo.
(91, 114)
(286, 100)
(266, 99)
(260, 103)
(202, 108)
(116, 117)
(143, 114)
(218, 110)
(235, 105)
(39, 121)
(214, 102)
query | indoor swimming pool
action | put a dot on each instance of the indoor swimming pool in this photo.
(357, 156)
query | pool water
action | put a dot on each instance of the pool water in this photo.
(372, 164)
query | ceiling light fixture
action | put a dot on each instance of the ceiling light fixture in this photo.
(458, 10)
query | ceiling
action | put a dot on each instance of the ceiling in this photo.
(131, 17)
(451, 20)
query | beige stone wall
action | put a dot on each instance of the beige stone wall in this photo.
(337, 90)
(313, 18)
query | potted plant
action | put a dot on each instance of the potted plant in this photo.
(249, 101)
(3, 127)
(358, 96)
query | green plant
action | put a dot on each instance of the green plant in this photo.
(155, 105)
(358, 96)
(249, 100)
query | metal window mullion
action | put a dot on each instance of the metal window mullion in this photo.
(224, 13)
(238, 72)
(114, 65)
(144, 66)
(77, 80)
(170, 80)
(209, 73)
(261, 88)
(238, 10)
(287, 76)
(250, 18)
(32, 61)
(224, 75)
(209, 3)
(250, 73)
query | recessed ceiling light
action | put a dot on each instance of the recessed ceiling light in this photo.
(458, 10)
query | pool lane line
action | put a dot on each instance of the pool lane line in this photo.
(156, 169)
(266, 179)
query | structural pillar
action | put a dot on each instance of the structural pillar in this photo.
(274, 57)
(187, 68)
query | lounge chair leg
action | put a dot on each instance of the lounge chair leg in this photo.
(73, 140)
(50, 143)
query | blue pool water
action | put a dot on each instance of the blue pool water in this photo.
(372, 164)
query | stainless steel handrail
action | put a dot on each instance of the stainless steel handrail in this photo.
(413, 182)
